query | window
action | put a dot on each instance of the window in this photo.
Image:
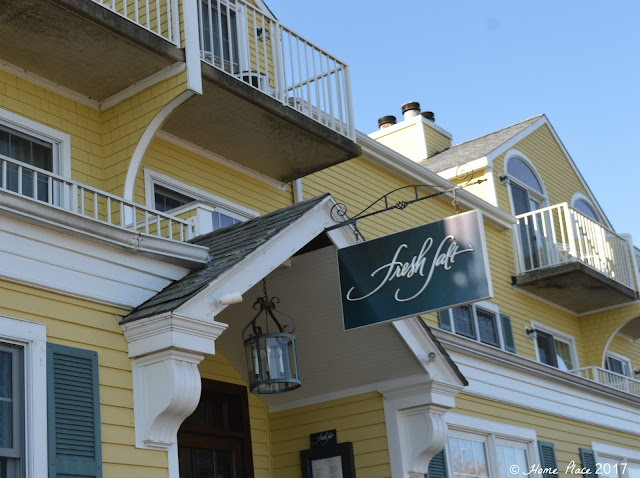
(555, 349)
(618, 364)
(582, 204)
(475, 452)
(219, 34)
(616, 462)
(480, 322)
(207, 211)
(527, 194)
(22, 375)
(216, 439)
(11, 410)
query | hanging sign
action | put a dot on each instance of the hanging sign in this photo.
(435, 266)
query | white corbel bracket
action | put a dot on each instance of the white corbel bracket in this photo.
(166, 351)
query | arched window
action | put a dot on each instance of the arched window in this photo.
(583, 205)
(526, 188)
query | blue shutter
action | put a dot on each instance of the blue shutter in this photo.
(507, 333)
(548, 458)
(588, 458)
(438, 466)
(444, 320)
(73, 408)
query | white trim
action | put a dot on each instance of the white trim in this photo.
(49, 85)
(61, 141)
(32, 336)
(148, 135)
(516, 139)
(481, 425)
(192, 46)
(152, 177)
(132, 90)
(205, 153)
(562, 336)
(616, 451)
(452, 173)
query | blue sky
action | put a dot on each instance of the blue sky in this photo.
(482, 65)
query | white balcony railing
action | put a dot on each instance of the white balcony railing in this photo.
(62, 193)
(157, 16)
(610, 379)
(558, 234)
(256, 49)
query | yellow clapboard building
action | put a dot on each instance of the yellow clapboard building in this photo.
(172, 173)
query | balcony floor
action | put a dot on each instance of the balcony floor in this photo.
(253, 129)
(81, 45)
(574, 286)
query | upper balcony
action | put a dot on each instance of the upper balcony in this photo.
(96, 48)
(272, 100)
(566, 258)
(610, 379)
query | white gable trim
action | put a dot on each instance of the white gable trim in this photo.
(510, 143)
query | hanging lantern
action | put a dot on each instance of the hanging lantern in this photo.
(270, 348)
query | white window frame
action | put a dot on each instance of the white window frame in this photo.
(542, 198)
(492, 434)
(489, 307)
(620, 358)
(615, 453)
(219, 204)
(61, 142)
(581, 197)
(32, 337)
(557, 335)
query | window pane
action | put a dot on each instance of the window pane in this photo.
(546, 349)
(166, 199)
(509, 456)
(519, 170)
(204, 463)
(6, 400)
(584, 207)
(463, 321)
(487, 328)
(4, 143)
(468, 458)
(224, 464)
(563, 355)
(185, 462)
(222, 220)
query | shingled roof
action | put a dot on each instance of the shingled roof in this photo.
(227, 247)
(475, 148)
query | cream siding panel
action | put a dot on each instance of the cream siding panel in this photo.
(358, 419)
(436, 141)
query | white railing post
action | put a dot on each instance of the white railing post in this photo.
(571, 229)
(634, 273)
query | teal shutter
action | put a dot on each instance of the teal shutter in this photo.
(507, 333)
(588, 458)
(548, 458)
(73, 408)
(444, 320)
(438, 466)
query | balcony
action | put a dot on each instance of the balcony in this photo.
(566, 258)
(272, 101)
(95, 48)
(28, 183)
(609, 379)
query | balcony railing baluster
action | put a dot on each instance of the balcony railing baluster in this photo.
(609, 379)
(63, 193)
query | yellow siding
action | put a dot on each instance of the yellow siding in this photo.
(436, 141)
(482, 190)
(209, 176)
(566, 435)
(82, 123)
(358, 419)
(216, 367)
(559, 178)
(90, 326)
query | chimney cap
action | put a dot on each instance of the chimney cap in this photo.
(410, 105)
(429, 115)
(385, 121)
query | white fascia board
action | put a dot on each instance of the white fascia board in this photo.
(508, 378)
(400, 166)
(260, 262)
(473, 165)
